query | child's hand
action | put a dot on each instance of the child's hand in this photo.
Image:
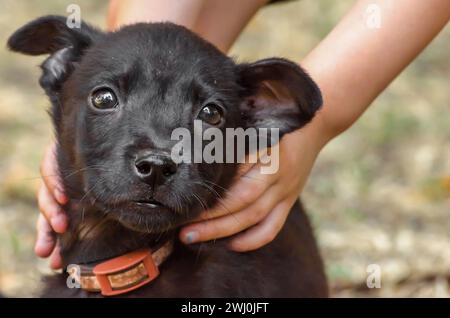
(257, 205)
(52, 218)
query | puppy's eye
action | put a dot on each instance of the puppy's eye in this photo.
(211, 114)
(104, 98)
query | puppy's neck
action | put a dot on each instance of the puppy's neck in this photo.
(92, 237)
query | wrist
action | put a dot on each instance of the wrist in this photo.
(307, 142)
(318, 132)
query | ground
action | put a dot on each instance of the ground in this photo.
(379, 193)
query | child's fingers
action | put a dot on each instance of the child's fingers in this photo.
(50, 175)
(51, 210)
(45, 241)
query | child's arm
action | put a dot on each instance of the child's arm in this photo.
(352, 66)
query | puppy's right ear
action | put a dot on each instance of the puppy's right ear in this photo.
(51, 35)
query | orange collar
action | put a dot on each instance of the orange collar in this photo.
(122, 274)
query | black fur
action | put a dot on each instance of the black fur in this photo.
(163, 74)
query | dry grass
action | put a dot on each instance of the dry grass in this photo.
(378, 194)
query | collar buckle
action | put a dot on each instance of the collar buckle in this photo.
(125, 273)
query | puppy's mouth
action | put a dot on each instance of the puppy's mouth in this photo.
(145, 215)
(152, 204)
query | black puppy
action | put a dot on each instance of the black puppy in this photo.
(116, 97)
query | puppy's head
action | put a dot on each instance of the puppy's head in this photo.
(117, 97)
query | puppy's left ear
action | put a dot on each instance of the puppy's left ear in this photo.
(277, 94)
(51, 35)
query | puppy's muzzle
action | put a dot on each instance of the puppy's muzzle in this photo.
(154, 169)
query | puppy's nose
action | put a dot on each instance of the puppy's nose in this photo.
(155, 169)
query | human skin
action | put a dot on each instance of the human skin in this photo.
(352, 66)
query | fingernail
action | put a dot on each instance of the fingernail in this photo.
(58, 223)
(191, 237)
(60, 196)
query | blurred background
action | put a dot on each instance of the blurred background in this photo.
(379, 193)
